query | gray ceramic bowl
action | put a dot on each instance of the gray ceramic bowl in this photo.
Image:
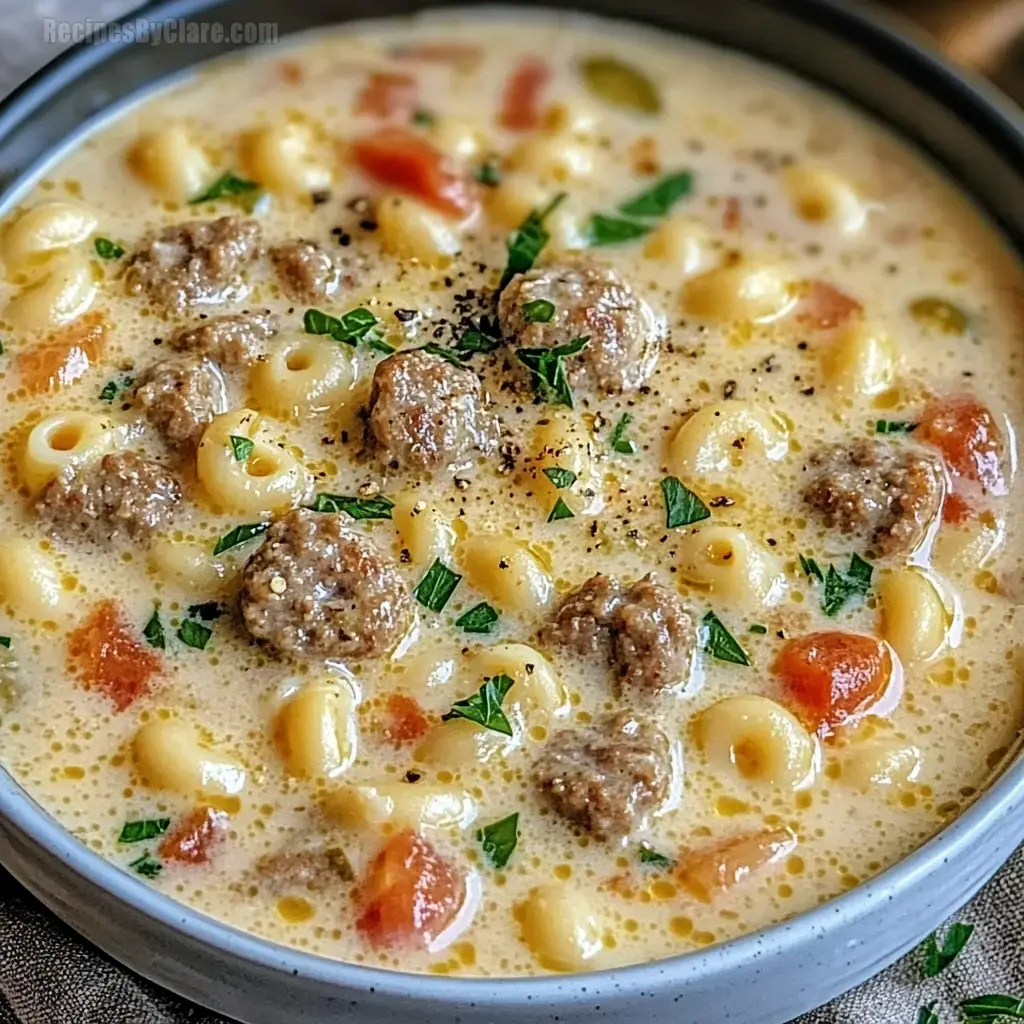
(765, 978)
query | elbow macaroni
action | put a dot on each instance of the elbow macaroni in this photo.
(730, 565)
(61, 443)
(302, 376)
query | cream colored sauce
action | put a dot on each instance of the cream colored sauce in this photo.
(961, 710)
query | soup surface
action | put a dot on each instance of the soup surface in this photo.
(492, 497)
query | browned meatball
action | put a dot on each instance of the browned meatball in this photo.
(180, 397)
(319, 589)
(235, 339)
(590, 300)
(123, 495)
(606, 779)
(305, 271)
(886, 491)
(426, 413)
(305, 865)
(581, 621)
(200, 261)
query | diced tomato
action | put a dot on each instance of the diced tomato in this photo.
(956, 509)
(967, 435)
(388, 93)
(464, 56)
(833, 677)
(732, 214)
(401, 159)
(105, 655)
(292, 72)
(406, 719)
(520, 102)
(194, 837)
(410, 893)
(824, 306)
(63, 358)
(709, 872)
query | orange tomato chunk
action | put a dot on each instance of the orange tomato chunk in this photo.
(824, 306)
(105, 655)
(387, 93)
(966, 434)
(410, 893)
(833, 677)
(401, 159)
(956, 509)
(520, 102)
(407, 721)
(63, 358)
(192, 840)
(707, 873)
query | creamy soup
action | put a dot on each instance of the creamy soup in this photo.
(488, 508)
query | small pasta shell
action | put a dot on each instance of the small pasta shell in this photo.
(558, 927)
(400, 805)
(169, 755)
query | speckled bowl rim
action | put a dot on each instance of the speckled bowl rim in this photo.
(1003, 126)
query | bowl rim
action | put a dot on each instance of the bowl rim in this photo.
(971, 99)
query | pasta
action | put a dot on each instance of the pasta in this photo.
(400, 805)
(821, 195)
(730, 565)
(683, 243)
(413, 231)
(62, 442)
(460, 744)
(189, 565)
(66, 290)
(423, 531)
(43, 230)
(30, 582)
(506, 571)
(914, 618)
(170, 162)
(559, 928)
(168, 754)
(759, 292)
(971, 546)
(536, 683)
(861, 361)
(563, 442)
(301, 376)
(881, 762)
(316, 730)
(284, 159)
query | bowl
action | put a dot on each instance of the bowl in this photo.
(763, 978)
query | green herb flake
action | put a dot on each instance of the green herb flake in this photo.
(841, 588)
(476, 341)
(758, 628)
(811, 569)
(358, 508)
(5, 641)
(499, 840)
(659, 200)
(682, 506)
(481, 618)
(423, 118)
(108, 250)
(561, 478)
(605, 230)
(989, 1009)
(561, 511)
(153, 631)
(526, 242)
(115, 387)
(654, 859)
(239, 535)
(539, 311)
(437, 586)
(242, 447)
(618, 440)
(448, 354)
(140, 831)
(351, 328)
(488, 174)
(147, 866)
(894, 426)
(1, 348)
(936, 958)
(194, 634)
(927, 1014)
(227, 186)
(484, 706)
(720, 643)
(620, 84)
(548, 367)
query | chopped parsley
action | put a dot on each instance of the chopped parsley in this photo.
(840, 588)
(811, 569)
(488, 174)
(147, 866)
(140, 831)
(614, 230)
(988, 1009)
(5, 641)
(682, 506)
(227, 186)
(526, 242)
(927, 1015)
(894, 426)
(561, 511)
(659, 200)
(437, 586)
(423, 118)
(656, 860)
(720, 643)
(548, 367)
(618, 440)
(937, 958)
(116, 386)
(499, 840)
(242, 447)
(357, 325)
(474, 340)
(153, 631)
(758, 628)
(239, 535)
(447, 354)
(539, 311)
(484, 706)
(481, 618)
(108, 250)
(358, 508)
(561, 478)
(194, 634)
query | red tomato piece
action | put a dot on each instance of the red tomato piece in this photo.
(713, 871)
(192, 840)
(410, 893)
(387, 93)
(732, 213)
(833, 677)
(401, 159)
(966, 434)
(824, 306)
(956, 509)
(107, 657)
(520, 102)
(464, 56)
(63, 358)
(406, 719)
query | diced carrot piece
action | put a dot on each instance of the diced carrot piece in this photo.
(833, 677)
(956, 509)
(105, 655)
(520, 102)
(707, 873)
(966, 434)
(732, 214)
(407, 721)
(194, 837)
(388, 93)
(410, 894)
(824, 306)
(63, 358)
(401, 159)
(464, 56)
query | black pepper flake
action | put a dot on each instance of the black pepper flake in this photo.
(729, 389)
(411, 776)
(344, 239)
(781, 634)
(368, 225)
(807, 391)
(802, 346)
(405, 315)
(721, 501)
(405, 556)
(320, 196)
(772, 542)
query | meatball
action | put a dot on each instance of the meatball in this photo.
(235, 339)
(581, 621)
(885, 491)
(426, 413)
(122, 495)
(200, 261)
(305, 271)
(319, 589)
(309, 865)
(590, 300)
(606, 779)
(181, 397)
